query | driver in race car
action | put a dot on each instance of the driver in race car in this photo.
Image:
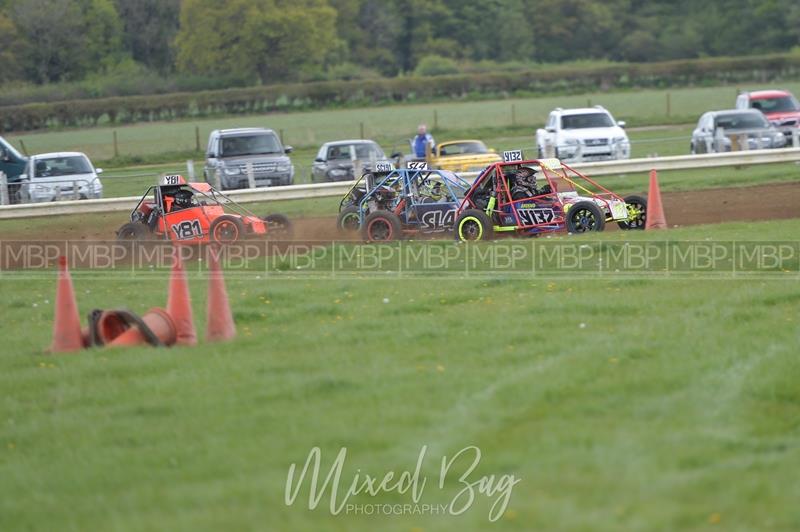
(525, 184)
(184, 199)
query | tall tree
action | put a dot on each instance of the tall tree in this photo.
(150, 29)
(52, 40)
(267, 40)
(9, 50)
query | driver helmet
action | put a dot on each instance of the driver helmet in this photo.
(183, 198)
(525, 175)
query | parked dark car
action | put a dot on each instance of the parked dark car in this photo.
(336, 161)
(231, 151)
(749, 127)
(12, 163)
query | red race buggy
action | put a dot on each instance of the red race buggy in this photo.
(529, 197)
(195, 213)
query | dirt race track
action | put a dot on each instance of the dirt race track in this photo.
(709, 206)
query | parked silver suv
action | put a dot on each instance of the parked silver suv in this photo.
(230, 151)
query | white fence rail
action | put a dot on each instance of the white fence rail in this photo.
(323, 190)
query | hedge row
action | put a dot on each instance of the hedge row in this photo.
(264, 99)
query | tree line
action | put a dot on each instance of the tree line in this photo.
(275, 41)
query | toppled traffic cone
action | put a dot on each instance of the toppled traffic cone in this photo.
(66, 324)
(120, 328)
(655, 210)
(219, 317)
(179, 303)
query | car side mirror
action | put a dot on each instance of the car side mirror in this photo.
(5, 155)
(98, 171)
(288, 150)
(550, 129)
(622, 123)
(319, 160)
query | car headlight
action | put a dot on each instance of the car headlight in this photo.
(284, 167)
(779, 139)
(338, 172)
(619, 140)
(232, 170)
(571, 142)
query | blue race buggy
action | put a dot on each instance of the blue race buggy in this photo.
(410, 201)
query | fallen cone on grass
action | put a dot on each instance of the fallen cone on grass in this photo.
(179, 303)
(123, 328)
(67, 335)
(220, 326)
(655, 210)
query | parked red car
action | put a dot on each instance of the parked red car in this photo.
(779, 106)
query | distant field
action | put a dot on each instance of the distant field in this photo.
(392, 125)
(641, 404)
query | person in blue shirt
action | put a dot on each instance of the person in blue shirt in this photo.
(422, 140)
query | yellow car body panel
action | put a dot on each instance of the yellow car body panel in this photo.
(464, 162)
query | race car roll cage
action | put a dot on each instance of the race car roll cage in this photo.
(500, 195)
(204, 189)
(450, 180)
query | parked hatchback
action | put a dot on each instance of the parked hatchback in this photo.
(336, 161)
(60, 176)
(715, 129)
(231, 152)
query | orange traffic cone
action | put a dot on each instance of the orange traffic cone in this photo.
(655, 210)
(156, 328)
(66, 324)
(179, 303)
(219, 318)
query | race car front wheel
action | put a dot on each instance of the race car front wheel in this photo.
(226, 230)
(278, 226)
(382, 226)
(584, 217)
(473, 224)
(637, 213)
(349, 220)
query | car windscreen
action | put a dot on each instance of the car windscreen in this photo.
(463, 148)
(61, 166)
(368, 152)
(586, 121)
(259, 144)
(741, 121)
(783, 104)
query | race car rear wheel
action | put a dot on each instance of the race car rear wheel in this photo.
(133, 231)
(473, 224)
(382, 226)
(278, 226)
(349, 220)
(584, 217)
(226, 230)
(637, 213)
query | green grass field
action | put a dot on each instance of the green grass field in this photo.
(393, 125)
(649, 403)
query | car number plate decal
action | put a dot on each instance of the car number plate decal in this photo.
(512, 156)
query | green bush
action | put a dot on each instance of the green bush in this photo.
(436, 65)
(287, 97)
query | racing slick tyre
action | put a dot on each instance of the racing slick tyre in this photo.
(584, 217)
(133, 231)
(474, 224)
(637, 213)
(382, 226)
(278, 226)
(348, 220)
(226, 230)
